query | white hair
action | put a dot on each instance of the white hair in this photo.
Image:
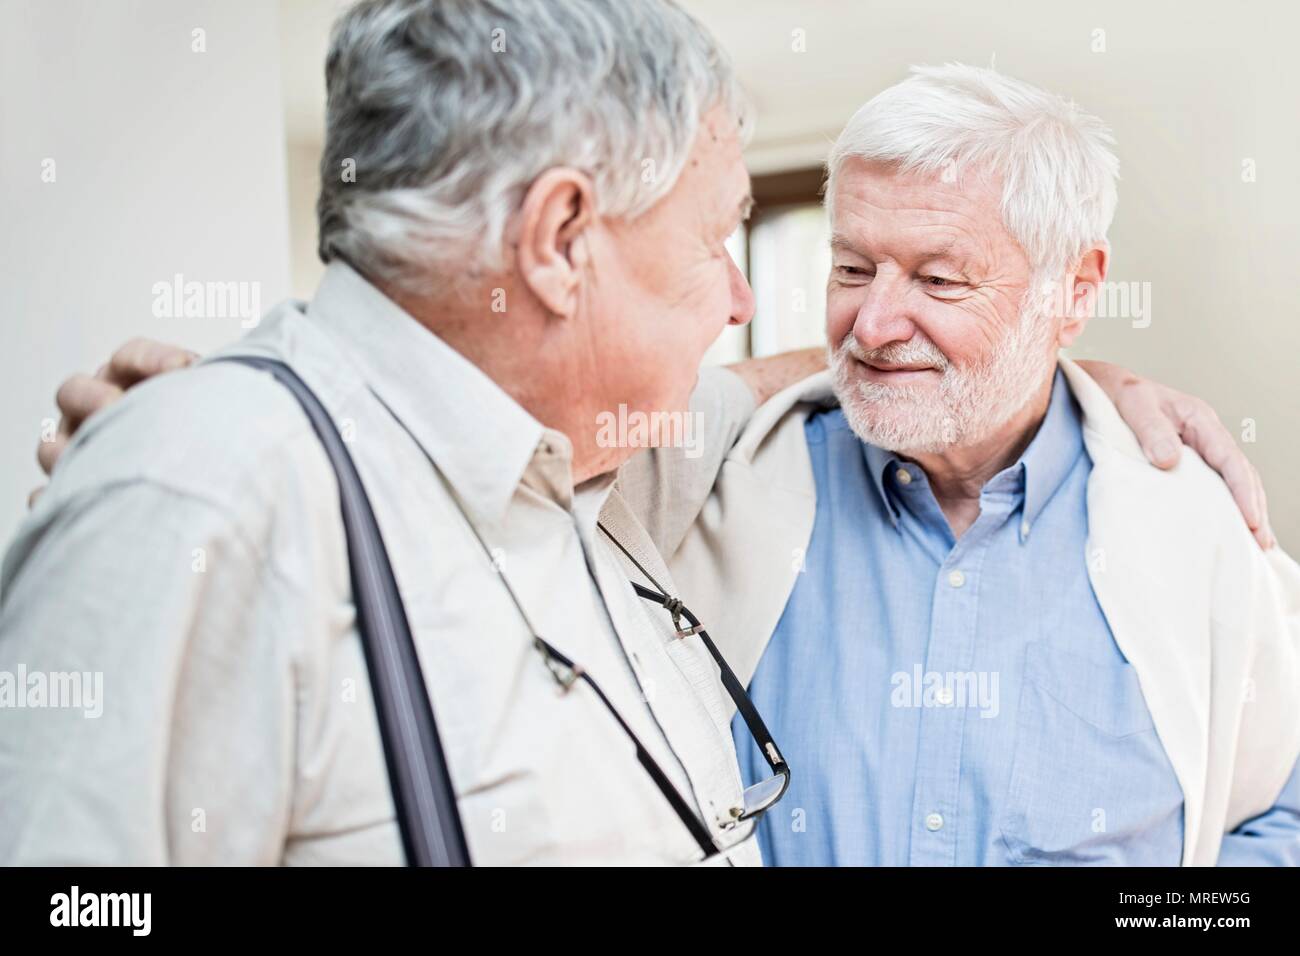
(1055, 161)
(447, 110)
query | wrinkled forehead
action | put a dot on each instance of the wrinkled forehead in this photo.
(880, 201)
(713, 185)
(716, 167)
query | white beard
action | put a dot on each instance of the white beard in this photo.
(970, 403)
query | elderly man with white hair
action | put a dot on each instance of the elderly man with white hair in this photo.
(985, 632)
(533, 239)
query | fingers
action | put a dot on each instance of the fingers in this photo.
(1210, 439)
(1264, 535)
(1139, 403)
(1160, 443)
(1264, 532)
(144, 358)
(1163, 419)
(48, 452)
(1242, 482)
(80, 397)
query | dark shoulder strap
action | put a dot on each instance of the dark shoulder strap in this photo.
(423, 797)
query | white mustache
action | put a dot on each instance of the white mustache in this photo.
(918, 350)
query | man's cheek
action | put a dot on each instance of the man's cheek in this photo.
(960, 353)
(712, 314)
(839, 320)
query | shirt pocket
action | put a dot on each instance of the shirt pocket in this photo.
(1090, 783)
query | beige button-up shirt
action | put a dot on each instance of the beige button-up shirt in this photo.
(189, 557)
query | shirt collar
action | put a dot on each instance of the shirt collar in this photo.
(478, 436)
(1054, 450)
(1045, 463)
(878, 461)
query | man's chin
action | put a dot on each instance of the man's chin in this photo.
(908, 427)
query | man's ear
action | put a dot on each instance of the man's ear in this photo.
(557, 209)
(1088, 277)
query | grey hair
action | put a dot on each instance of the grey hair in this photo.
(1055, 161)
(449, 109)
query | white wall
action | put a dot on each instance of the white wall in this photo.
(166, 161)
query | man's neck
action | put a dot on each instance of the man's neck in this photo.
(517, 356)
(958, 474)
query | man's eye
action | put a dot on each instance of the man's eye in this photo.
(853, 271)
(939, 282)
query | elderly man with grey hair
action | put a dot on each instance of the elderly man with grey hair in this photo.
(985, 632)
(492, 180)
(524, 206)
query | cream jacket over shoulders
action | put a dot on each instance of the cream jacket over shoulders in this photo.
(1209, 621)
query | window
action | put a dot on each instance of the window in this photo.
(784, 250)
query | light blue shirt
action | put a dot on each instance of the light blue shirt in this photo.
(962, 701)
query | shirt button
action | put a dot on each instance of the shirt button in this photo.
(1024, 529)
(944, 696)
(956, 579)
(934, 822)
(904, 476)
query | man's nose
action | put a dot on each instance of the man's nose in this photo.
(742, 296)
(883, 316)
